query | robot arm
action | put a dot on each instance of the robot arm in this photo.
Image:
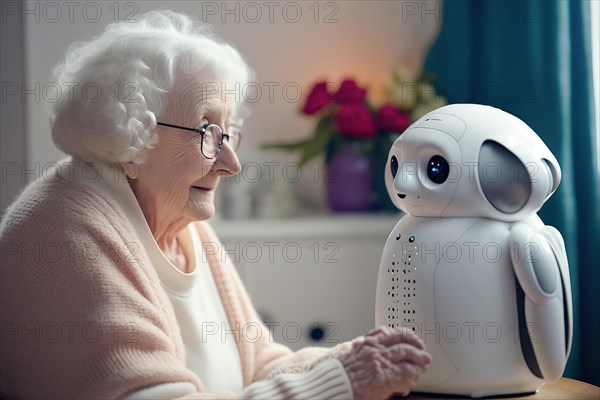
(541, 267)
(558, 247)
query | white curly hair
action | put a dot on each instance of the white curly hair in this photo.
(122, 77)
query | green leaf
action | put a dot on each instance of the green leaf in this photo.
(323, 134)
(285, 146)
(336, 143)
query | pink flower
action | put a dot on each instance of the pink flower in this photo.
(350, 93)
(390, 119)
(355, 120)
(318, 98)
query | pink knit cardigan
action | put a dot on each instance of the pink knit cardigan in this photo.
(82, 310)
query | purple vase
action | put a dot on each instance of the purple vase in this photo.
(349, 180)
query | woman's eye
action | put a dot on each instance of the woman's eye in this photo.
(394, 166)
(438, 169)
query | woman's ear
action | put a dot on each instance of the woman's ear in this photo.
(131, 169)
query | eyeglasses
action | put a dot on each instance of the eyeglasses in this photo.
(213, 138)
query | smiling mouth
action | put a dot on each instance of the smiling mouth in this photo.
(401, 195)
(202, 188)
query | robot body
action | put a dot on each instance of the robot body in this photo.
(472, 269)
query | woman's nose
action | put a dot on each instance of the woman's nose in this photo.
(227, 162)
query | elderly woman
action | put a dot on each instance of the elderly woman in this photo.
(108, 290)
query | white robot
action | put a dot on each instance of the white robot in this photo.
(471, 268)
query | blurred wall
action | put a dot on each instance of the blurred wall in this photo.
(289, 44)
(12, 110)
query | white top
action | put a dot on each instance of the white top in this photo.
(211, 351)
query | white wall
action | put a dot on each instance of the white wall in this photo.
(12, 110)
(361, 39)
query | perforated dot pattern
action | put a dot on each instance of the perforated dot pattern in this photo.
(402, 290)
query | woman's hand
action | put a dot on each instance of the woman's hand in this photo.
(385, 361)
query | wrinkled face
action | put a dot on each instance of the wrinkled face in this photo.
(423, 171)
(177, 181)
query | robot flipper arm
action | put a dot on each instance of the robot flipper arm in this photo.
(534, 262)
(537, 268)
(557, 244)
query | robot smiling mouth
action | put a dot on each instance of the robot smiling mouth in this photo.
(401, 195)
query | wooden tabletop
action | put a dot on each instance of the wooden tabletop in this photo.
(563, 389)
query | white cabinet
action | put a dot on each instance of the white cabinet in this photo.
(310, 273)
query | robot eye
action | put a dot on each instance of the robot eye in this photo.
(438, 169)
(394, 166)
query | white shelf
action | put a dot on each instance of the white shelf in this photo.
(350, 225)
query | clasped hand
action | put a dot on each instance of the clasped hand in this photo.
(384, 362)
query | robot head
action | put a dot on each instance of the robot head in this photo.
(470, 160)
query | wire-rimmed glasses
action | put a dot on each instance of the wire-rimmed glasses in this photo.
(213, 138)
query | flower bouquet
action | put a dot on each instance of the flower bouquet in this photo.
(355, 135)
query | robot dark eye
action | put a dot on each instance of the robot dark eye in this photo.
(438, 169)
(394, 166)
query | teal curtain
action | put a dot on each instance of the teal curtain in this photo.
(533, 59)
